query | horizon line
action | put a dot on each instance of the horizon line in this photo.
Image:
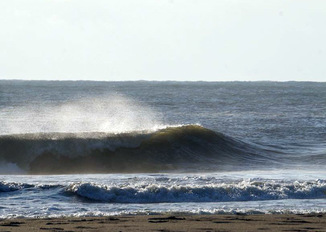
(141, 80)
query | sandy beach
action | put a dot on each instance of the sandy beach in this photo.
(267, 222)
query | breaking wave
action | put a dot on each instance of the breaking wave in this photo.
(11, 187)
(183, 148)
(222, 192)
(139, 193)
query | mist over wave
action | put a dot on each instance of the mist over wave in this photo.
(110, 113)
(9, 168)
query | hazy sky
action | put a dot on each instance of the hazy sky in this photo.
(212, 40)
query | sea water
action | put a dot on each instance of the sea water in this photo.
(110, 148)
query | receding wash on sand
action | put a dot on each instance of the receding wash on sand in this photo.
(183, 156)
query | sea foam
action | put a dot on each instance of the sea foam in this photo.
(222, 192)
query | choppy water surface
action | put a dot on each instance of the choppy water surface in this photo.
(255, 147)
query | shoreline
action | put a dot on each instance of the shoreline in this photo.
(255, 222)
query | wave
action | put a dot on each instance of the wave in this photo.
(241, 191)
(183, 148)
(140, 193)
(14, 187)
(11, 187)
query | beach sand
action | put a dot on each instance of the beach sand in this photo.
(267, 222)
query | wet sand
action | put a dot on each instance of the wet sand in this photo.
(284, 222)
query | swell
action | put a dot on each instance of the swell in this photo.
(184, 148)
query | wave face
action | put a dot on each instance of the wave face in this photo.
(183, 148)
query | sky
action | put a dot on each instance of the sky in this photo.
(182, 40)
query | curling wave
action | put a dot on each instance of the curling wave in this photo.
(183, 148)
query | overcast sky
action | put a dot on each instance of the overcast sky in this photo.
(211, 40)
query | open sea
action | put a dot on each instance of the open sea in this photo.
(84, 148)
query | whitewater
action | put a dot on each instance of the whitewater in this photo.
(110, 148)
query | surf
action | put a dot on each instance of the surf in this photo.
(177, 148)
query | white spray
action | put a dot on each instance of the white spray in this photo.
(111, 114)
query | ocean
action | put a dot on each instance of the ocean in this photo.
(86, 148)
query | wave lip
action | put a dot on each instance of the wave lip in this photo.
(242, 191)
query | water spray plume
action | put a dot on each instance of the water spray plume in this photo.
(110, 114)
